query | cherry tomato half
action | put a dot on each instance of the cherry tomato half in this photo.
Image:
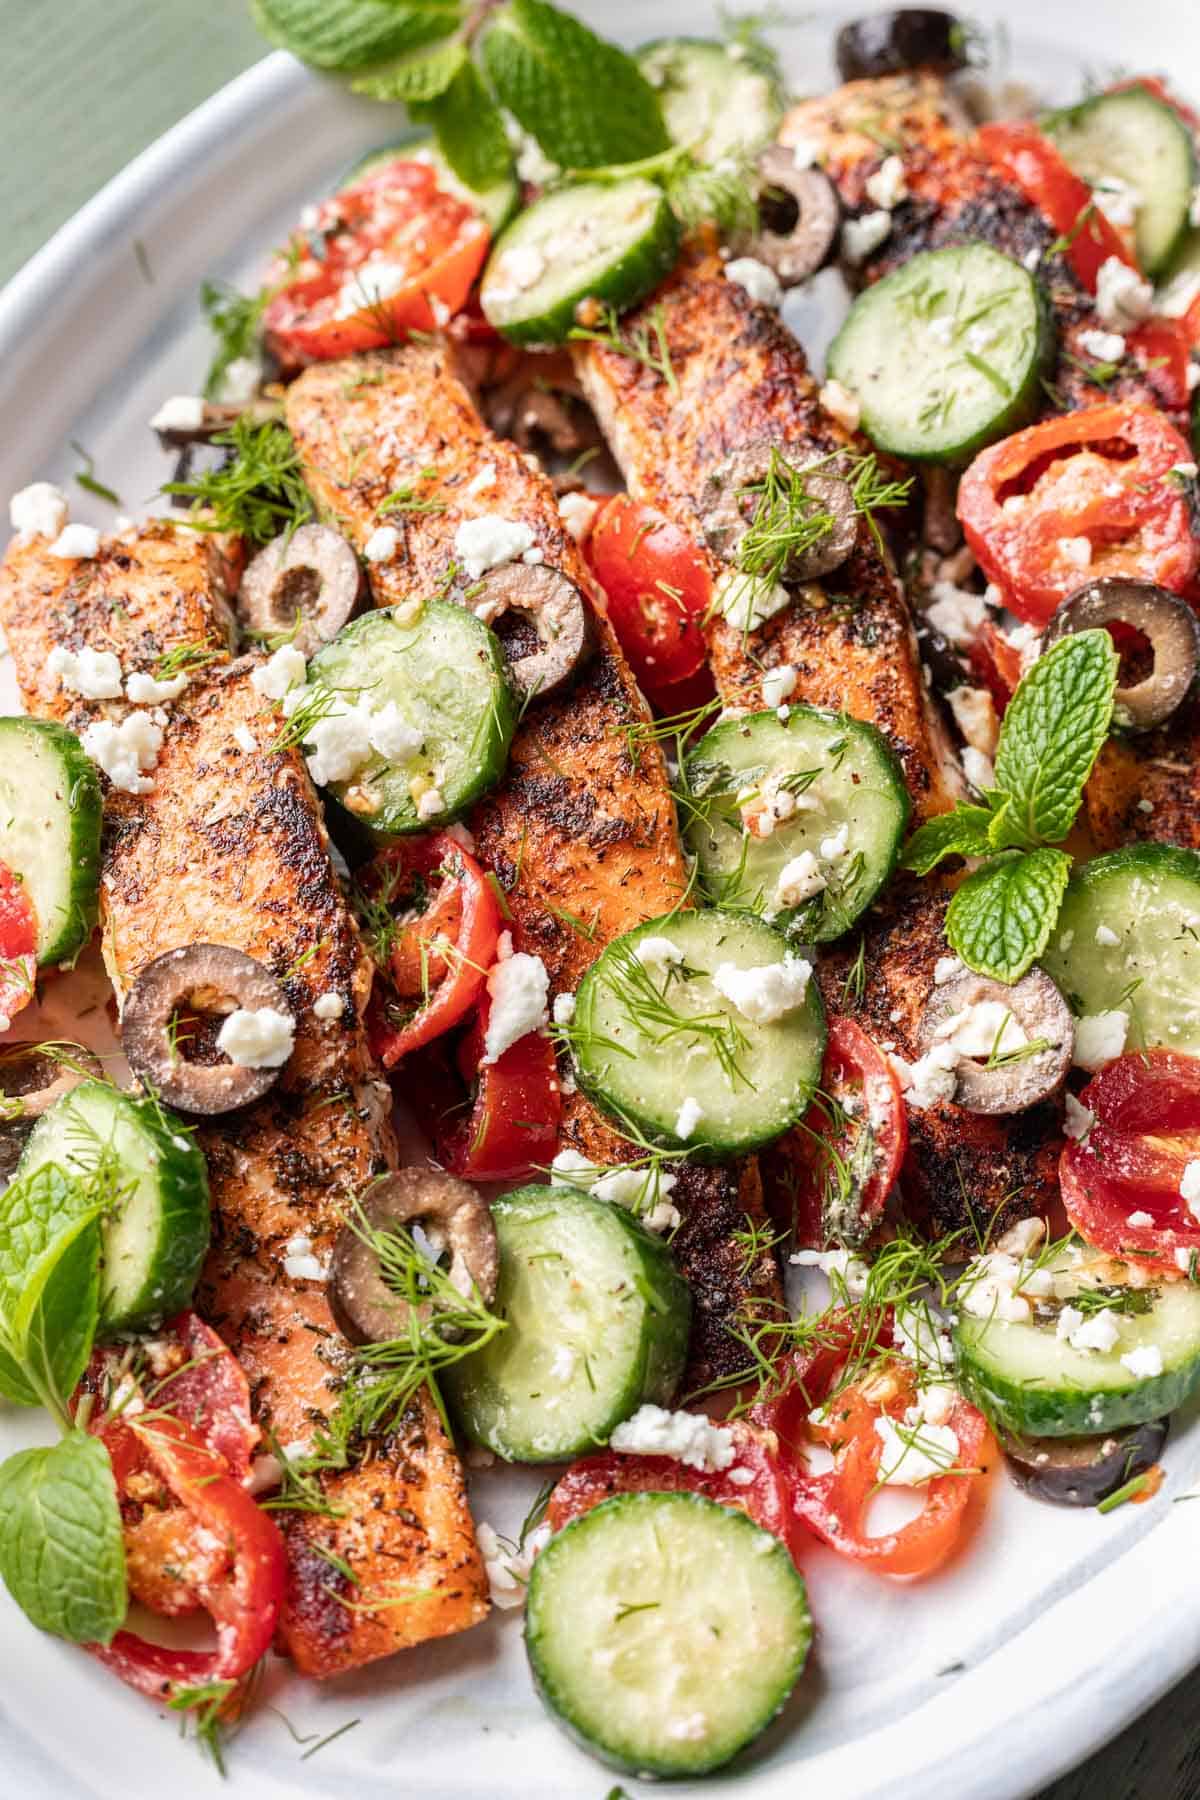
(1033, 164)
(18, 947)
(658, 587)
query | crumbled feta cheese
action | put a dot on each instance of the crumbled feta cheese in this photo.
(39, 510)
(688, 1117)
(1183, 1261)
(687, 1437)
(658, 954)
(338, 745)
(577, 511)
(863, 235)
(1138, 1219)
(569, 1169)
(1077, 550)
(766, 992)
(919, 1336)
(1179, 295)
(946, 968)
(740, 1477)
(989, 1287)
(257, 1038)
(300, 1263)
(484, 543)
(760, 282)
(518, 989)
(508, 1570)
(96, 674)
(838, 845)
(957, 613)
(838, 1267)
(146, 690)
(283, 670)
(392, 737)
(182, 412)
(1189, 1186)
(563, 1010)
(798, 881)
(1117, 200)
(1123, 299)
(841, 405)
(886, 186)
(484, 479)
(778, 685)
(976, 717)
(521, 267)
(381, 544)
(914, 1455)
(430, 803)
(981, 1029)
(747, 601)
(329, 1006)
(806, 152)
(241, 381)
(1105, 346)
(933, 1077)
(1099, 1333)
(978, 768)
(126, 751)
(1144, 1362)
(76, 540)
(1106, 937)
(641, 1191)
(1078, 1119)
(1099, 1037)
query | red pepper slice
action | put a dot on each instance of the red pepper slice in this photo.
(18, 946)
(512, 1128)
(464, 912)
(848, 1169)
(765, 1497)
(1162, 348)
(657, 583)
(1032, 163)
(1100, 475)
(1133, 1158)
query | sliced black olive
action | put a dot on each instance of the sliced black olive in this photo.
(562, 617)
(731, 502)
(912, 37)
(1166, 621)
(799, 216)
(1082, 1471)
(30, 1083)
(453, 1216)
(312, 576)
(200, 979)
(1012, 1082)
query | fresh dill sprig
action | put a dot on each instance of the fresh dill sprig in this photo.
(743, 34)
(258, 493)
(647, 346)
(86, 477)
(721, 194)
(648, 1008)
(235, 321)
(789, 519)
(854, 986)
(320, 702)
(405, 500)
(675, 729)
(185, 659)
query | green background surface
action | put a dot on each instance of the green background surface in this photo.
(89, 83)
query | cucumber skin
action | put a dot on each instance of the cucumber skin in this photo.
(626, 281)
(687, 48)
(182, 1177)
(1031, 1412)
(86, 804)
(1071, 116)
(664, 1344)
(558, 1705)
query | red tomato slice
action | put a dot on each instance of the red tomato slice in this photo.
(658, 586)
(1132, 1160)
(1097, 474)
(18, 947)
(512, 1128)
(390, 254)
(1162, 348)
(848, 1161)
(996, 664)
(765, 1498)
(463, 916)
(1032, 163)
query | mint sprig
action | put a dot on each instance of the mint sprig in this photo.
(62, 1553)
(1056, 722)
(347, 35)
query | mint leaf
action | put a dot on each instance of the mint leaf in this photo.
(469, 130)
(35, 1209)
(53, 1329)
(1052, 732)
(423, 75)
(1000, 918)
(963, 832)
(353, 34)
(585, 101)
(62, 1554)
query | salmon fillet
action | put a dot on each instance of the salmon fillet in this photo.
(582, 827)
(229, 847)
(1147, 788)
(740, 379)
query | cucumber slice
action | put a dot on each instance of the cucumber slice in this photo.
(946, 353)
(446, 673)
(1033, 1382)
(1147, 896)
(598, 1319)
(665, 1632)
(50, 812)
(497, 203)
(835, 778)
(591, 241)
(712, 104)
(153, 1243)
(1133, 138)
(649, 1037)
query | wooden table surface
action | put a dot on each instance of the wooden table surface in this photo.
(88, 84)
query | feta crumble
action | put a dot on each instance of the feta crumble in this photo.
(914, 1455)
(1099, 1037)
(766, 992)
(76, 540)
(1123, 298)
(329, 1006)
(946, 968)
(487, 542)
(39, 510)
(976, 717)
(747, 601)
(658, 954)
(96, 674)
(760, 282)
(957, 613)
(577, 511)
(1078, 1119)
(182, 412)
(518, 988)
(688, 1117)
(887, 186)
(687, 1437)
(1144, 1362)
(126, 752)
(778, 685)
(863, 235)
(282, 671)
(508, 1570)
(300, 1263)
(1189, 1186)
(838, 1267)
(1099, 1333)
(799, 880)
(257, 1038)
(1137, 1219)
(381, 544)
(932, 1078)
(146, 690)
(1105, 346)
(563, 1010)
